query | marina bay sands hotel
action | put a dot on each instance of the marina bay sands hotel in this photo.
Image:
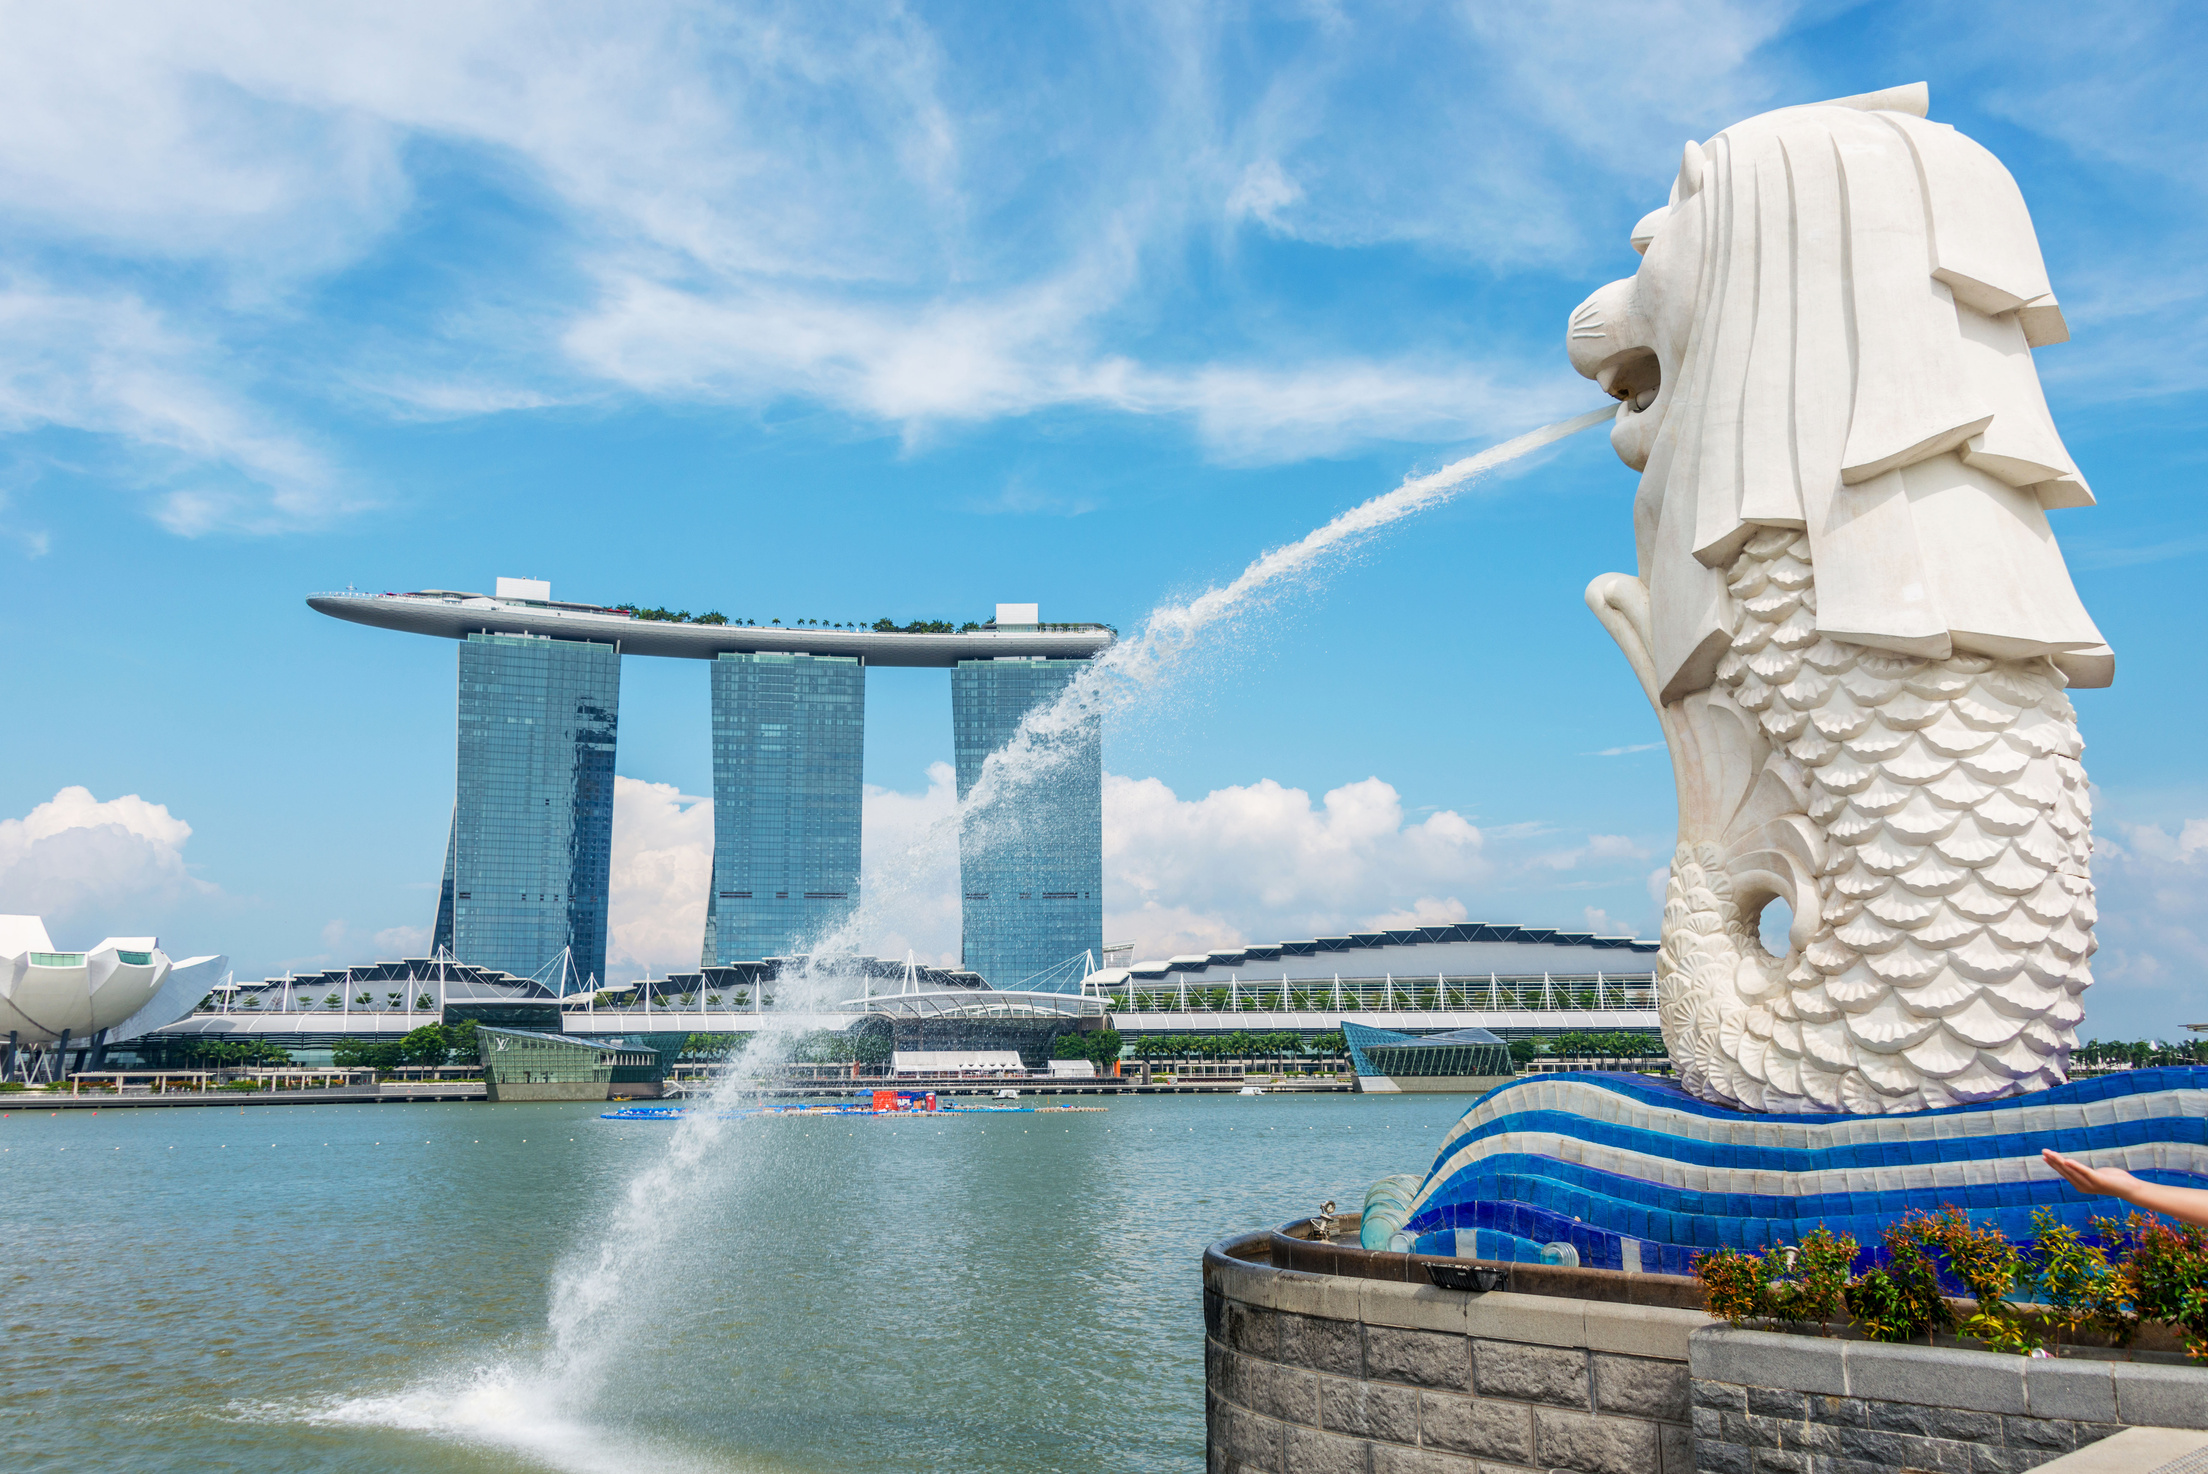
(527, 860)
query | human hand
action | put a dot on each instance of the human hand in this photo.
(2111, 1182)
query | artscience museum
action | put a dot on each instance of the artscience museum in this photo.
(52, 1001)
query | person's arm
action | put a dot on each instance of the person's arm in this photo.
(2185, 1204)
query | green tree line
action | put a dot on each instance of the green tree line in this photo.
(2141, 1054)
(1581, 1044)
(821, 1047)
(219, 1054)
(1101, 1046)
(430, 1045)
(1241, 1044)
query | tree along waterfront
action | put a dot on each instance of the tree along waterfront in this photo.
(430, 1045)
(1242, 1044)
(2140, 1054)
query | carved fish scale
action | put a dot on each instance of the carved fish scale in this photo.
(1955, 925)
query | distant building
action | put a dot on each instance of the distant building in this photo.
(1031, 868)
(1392, 1063)
(789, 740)
(529, 850)
(531, 847)
(1514, 981)
(524, 1064)
(52, 1001)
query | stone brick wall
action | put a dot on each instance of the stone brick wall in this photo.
(1323, 1374)
(1776, 1404)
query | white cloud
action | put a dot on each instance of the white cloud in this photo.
(1260, 862)
(401, 941)
(909, 861)
(661, 869)
(1263, 192)
(860, 207)
(111, 365)
(75, 859)
(1425, 911)
(1498, 133)
(1599, 849)
(1264, 862)
(871, 207)
(663, 864)
(1601, 923)
(2153, 895)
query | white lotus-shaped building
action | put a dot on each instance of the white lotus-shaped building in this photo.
(46, 995)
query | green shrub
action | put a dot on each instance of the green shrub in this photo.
(1734, 1284)
(2081, 1289)
(2165, 1273)
(2149, 1271)
(1815, 1279)
(1985, 1260)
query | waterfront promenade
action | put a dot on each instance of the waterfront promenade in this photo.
(392, 1093)
(386, 1093)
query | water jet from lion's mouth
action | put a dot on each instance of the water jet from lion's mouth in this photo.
(1139, 664)
(1136, 668)
(602, 1288)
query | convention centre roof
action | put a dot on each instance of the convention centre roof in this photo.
(1467, 949)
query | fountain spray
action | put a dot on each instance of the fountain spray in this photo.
(595, 1307)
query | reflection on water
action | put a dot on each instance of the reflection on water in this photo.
(366, 1287)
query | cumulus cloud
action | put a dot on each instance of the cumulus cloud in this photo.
(662, 867)
(401, 941)
(1263, 861)
(909, 864)
(1257, 862)
(2153, 894)
(1602, 924)
(77, 859)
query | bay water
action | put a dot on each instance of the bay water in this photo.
(367, 1287)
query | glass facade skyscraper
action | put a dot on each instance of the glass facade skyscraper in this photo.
(1032, 865)
(789, 737)
(527, 861)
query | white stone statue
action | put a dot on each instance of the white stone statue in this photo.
(1851, 614)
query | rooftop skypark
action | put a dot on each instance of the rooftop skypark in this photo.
(526, 607)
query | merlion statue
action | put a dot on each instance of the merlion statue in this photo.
(1851, 614)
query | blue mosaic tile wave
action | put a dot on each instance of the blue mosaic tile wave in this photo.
(1596, 1160)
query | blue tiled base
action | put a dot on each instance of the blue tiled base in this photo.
(1594, 1159)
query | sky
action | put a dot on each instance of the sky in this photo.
(843, 312)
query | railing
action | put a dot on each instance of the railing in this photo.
(1639, 1064)
(1589, 993)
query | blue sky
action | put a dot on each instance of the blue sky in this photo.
(817, 312)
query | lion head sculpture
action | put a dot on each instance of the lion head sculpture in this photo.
(1835, 296)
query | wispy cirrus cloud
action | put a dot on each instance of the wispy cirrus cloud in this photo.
(867, 209)
(112, 365)
(909, 219)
